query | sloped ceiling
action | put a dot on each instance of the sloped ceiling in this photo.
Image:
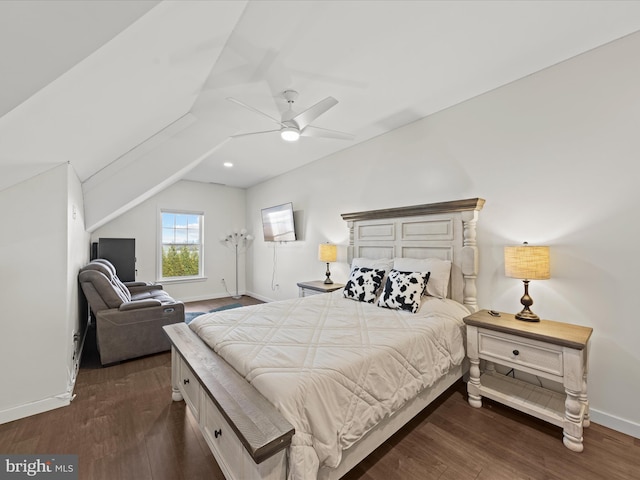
(134, 94)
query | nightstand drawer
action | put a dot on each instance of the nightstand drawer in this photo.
(517, 352)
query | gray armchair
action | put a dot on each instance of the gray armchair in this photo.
(129, 316)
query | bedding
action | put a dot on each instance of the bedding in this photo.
(440, 271)
(335, 367)
(385, 264)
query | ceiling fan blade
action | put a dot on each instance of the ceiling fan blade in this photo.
(310, 114)
(311, 131)
(249, 107)
(253, 133)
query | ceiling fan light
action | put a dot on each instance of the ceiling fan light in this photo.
(290, 134)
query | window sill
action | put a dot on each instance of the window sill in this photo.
(181, 280)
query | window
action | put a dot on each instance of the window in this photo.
(182, 245)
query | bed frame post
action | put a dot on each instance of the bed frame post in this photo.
(350, 226)
(176, 396)
(470, 259)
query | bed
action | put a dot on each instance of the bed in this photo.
(308, 387)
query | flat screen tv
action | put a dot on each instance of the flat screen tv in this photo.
(278, 224)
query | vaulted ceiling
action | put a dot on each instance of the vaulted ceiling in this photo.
(135, 94)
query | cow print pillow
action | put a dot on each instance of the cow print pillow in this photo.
(363, 284)
(403, 290)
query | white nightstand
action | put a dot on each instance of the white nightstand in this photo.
(315, 287)
(553, 350)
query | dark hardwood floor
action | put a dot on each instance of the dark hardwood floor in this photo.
(206, 305)
(123, 425)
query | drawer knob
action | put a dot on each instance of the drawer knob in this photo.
(185, 381)
(516, 352)
(217, 433)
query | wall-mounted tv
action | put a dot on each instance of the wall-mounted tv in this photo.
(278, 224)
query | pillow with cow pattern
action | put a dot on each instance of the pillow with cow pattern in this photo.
(363, 284)
(403, 290)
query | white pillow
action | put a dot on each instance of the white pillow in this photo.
(438, 284)
(380, 263)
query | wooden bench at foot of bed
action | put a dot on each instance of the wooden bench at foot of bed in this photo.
(248, 437)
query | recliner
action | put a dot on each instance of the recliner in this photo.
(129, 316)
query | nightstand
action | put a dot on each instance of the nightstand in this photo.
(554, 350)
(314, 287)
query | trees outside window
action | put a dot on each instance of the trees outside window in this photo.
(182, 245)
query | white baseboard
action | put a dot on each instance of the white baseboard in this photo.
(200, 298)
(615, 423)
(33, 408)
(260, 297)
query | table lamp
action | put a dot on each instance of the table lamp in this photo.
(527, 262)
(327, 253)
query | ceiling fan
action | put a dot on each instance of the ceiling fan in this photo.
(294, 125)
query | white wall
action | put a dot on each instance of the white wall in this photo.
(40, 257)
(224, 210)
(555, 157)
(77, 257)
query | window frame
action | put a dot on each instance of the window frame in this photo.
(161, 244)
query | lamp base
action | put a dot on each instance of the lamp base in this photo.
(527, 315)
(328, 280)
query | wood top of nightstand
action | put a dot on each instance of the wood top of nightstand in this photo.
(320, 286)
(558, 333)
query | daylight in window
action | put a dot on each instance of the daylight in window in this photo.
(181, 244)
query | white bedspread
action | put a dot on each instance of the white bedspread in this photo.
(335, 367)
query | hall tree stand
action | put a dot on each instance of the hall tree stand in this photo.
(553, 350)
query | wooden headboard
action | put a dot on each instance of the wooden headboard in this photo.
(445, 230)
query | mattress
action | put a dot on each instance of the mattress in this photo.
(335, 367)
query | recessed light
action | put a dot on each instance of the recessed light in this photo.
(228, 164)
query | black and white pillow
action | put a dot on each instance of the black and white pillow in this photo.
(403, 290)
(363, 284)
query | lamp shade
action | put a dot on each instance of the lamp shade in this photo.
(327, 252)
(527, 262)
